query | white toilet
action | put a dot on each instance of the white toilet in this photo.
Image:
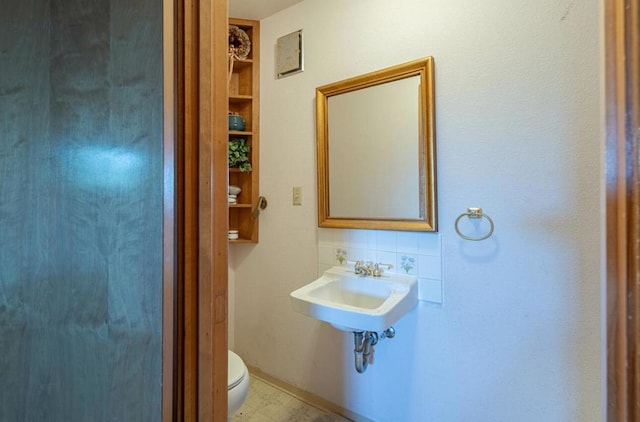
(237, 384)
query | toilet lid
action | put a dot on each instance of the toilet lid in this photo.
(236, 370)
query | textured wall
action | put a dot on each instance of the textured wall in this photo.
(80, 210)
(518, 335)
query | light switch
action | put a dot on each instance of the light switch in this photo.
(297, 195)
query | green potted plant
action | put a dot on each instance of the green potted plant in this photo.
(239, 154)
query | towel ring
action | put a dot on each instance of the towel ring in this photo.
(474, 213)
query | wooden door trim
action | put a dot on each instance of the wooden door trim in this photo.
(202, 208)
(187, 71)
(213, 229)
(622, 195)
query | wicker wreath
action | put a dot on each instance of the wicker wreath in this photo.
(239, 43)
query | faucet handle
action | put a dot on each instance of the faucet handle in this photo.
(364, 268)
(377, 271)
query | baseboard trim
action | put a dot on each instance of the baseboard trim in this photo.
(307, 397)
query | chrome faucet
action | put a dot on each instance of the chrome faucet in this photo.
(377, 271)
(362, 268)
(369, 268)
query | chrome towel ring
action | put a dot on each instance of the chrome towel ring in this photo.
(474, 213)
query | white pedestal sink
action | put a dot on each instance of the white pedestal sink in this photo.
(352, 302)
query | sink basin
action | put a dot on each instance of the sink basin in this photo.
(351, 302)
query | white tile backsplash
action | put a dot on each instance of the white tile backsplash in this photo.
(341, 255)
(430, 267)
(325, 255)
(428, 244)
(407, 263)
(407, 243)
(422, 254)
(386, 241)
(359, 254)
(359, 239)
(430, 290)
(341, 237)
(325, 236)
(387, 258)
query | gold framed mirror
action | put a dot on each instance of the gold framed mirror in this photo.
(376, 150)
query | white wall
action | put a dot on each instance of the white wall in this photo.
(518, 336)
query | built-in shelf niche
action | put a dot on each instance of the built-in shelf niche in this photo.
(244, 99)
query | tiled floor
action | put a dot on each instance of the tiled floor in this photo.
(266, 403)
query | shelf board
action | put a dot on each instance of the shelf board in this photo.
(237, 170)
(241, 241)
(240, 132)
(239, 205)
(242, 63)
(237, 98)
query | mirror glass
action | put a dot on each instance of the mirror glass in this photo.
(376, 150)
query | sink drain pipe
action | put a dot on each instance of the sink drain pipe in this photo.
(364, 342)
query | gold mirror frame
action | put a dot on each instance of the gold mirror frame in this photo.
(427, 220)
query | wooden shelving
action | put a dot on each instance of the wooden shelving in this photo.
(244, 99)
